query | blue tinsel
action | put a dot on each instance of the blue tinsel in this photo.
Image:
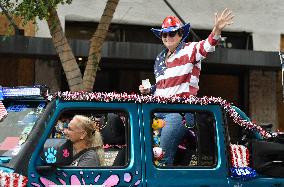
(244, 173)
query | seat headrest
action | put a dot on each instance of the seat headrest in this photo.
(114, 130)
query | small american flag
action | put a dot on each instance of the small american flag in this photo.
(239, 155)
(3, 111)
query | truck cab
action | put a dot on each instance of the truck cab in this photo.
(222, 148)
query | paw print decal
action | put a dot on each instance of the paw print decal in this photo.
(50, 155)
(66, 153)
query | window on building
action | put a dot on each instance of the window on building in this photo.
(117, 32)
(143, 34)
(233, 40)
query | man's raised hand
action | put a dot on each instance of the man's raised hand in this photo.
(222, 20)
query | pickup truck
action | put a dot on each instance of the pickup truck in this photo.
(222, 148)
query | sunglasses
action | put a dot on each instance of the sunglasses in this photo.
(170, 34)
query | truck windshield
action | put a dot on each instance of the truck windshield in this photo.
(16, 127)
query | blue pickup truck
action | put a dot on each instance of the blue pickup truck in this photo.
(222, 148)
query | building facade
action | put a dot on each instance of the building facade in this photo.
(244, 69)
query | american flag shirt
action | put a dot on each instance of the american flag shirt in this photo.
(179, 74)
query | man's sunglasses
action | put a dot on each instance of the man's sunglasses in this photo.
(170, 34)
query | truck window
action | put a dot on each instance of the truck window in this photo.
(16, 127)
(235, 132)
(196, 145)
(109, 136)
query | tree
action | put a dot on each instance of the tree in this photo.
(7, 7)
(47, 10)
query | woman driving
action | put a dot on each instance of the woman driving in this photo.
(87, 143)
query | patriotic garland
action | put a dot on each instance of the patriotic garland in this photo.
(12, 179)
(240, 162)
(124, 97)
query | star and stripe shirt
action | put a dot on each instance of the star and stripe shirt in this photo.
(179, 74)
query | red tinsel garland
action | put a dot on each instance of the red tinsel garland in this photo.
(12, 179)
(124, 97)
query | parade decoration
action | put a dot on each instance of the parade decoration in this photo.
(158, 152)
(158, 155)
(1, 94)
(21, 91)
(12, 179)
(240, 162)
(50, 155)
(81, 178)
(124, 97)
(3, 111)
(239, 155)
(157, 125)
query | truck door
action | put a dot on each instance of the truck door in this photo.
(121, 164)
(199, 159)
(259, 152)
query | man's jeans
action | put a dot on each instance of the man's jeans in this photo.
(172, 134)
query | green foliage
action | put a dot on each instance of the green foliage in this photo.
(31, 9)
(8, 5)
(8, 9)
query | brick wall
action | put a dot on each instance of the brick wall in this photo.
(262, 97)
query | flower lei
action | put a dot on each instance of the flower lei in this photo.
(12, 179)
(240, 162)
(124, 97)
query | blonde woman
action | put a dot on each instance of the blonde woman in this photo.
(87, 143)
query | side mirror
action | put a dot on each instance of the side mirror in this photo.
(268, 157)
(57, 152)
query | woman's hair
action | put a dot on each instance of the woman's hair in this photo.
(93, 138)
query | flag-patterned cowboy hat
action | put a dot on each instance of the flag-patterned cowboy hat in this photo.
(172, 23)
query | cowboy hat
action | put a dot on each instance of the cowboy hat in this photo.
(172, 23)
